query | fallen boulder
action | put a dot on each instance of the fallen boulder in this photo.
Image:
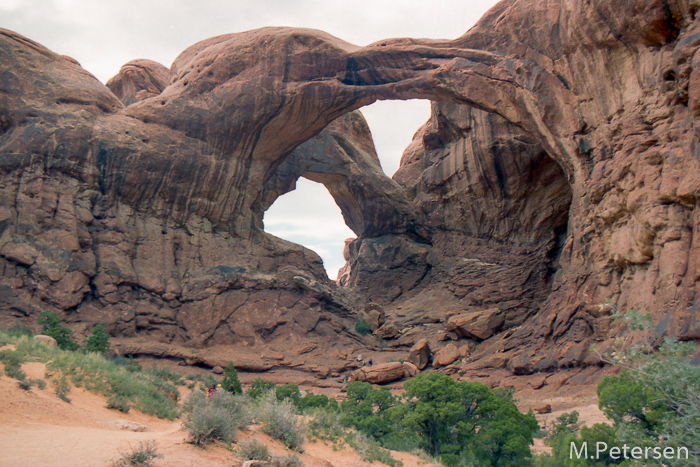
(445, 356)
(419, 354)
(477, 324)
(379, 374)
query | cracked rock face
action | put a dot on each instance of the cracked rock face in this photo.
(559, 170)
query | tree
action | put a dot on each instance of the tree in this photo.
(368, 410)
(459, 420)
(51, 326)
(230, 382)
(98, 341)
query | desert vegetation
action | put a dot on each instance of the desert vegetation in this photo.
(653, 405)
(654, 401)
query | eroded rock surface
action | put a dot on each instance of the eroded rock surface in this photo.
(559, 170)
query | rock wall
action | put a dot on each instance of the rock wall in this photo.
(559, 170)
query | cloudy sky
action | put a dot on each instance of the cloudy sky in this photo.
(103, 35)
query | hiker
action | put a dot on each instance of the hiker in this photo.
(211, 390)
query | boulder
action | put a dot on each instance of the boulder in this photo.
(388, 330)
(420, 353)
(379, 374)
(410, 370)
(373, 314)
(445, 356)
(48, 340)
(547, 408)
(477, 324)
(464, 350)
(217, 370)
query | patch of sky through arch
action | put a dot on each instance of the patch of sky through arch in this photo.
(309, 216)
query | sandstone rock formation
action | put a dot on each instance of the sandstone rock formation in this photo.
(479, 324)
(445, 356)
(380, 374)
(558, 171)
(420, 353)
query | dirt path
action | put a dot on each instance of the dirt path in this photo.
(37, 429)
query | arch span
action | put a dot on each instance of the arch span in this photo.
(252, 98)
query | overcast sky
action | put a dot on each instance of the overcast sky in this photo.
(104, 34)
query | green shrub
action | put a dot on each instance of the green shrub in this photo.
(253, 449)
(291, 460)
(230, 382)
(40, 383)
(13, 360)
(325, 425)
(15, 372)
(140, 456)
(288, 391)
(98, 341)
(362, 327)
(321, 401)
(20, 331)
(167, 375)
(128, 363)
(656, 398)
(217, 417)
(25, 384)
(51, 326)
(119, 403)
(147, 392)
(279, 420)
(62, 388)
(259, 387)
(370, 451)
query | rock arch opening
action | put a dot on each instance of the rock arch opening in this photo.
(308, 216)
(393, 124)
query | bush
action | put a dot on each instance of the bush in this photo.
(146, 392)
(279, 420)
(325, 425)
(20, 331)
(119, 403)
(362, 327)
(288, 391)
(217, 417)
(259, 387)
(13, 360)
(254, 450)
(230, 382)
(140, 456)
(15, 372)
(25, 384)
(370, 451)
(62, 388)
(51, 326)
(98, 341)
(290, 460)
(656, 398)
(321, 401)
(128, 363)
(40, 383)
